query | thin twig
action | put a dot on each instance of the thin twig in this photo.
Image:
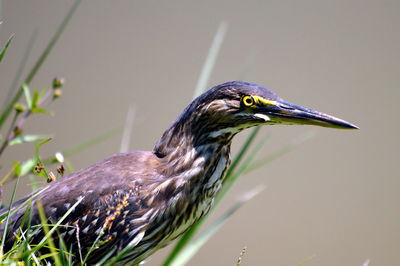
(9, 133)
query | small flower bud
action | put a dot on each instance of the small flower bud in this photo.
(38, 168)
(51, 177)
(58, 82)
(61, 170)
(19, 108)
(59, 157)
(17, 131)
(57, 93)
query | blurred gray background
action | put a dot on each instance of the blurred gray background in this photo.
(335, 197)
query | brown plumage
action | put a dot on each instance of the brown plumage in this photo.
(142, 200)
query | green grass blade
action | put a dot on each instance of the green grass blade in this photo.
(27, 139)
(24, 219)
(3, 240)
(45, 227)
(232, 179)
(2, 53)
(22, 204)
(119, 257)
(29, 164)
(93, 247)
(106, 257)
(21, 67)
(306, 260)
(89, 143)
(28, 97)
(9, 173)
(29, 248)
(241, 153)
(211, 58)
(39, 62)
(126, 135)
(51, 231)
(193, 247)
(289, 147)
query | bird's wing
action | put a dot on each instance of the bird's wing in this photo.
(110, 203)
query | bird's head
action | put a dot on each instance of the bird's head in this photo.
(228, 108)
(236, 105)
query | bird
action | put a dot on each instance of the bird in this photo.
(139, 201)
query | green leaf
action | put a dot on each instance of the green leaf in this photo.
(26, 139)
(41, 110)
(5, 47)
(43, 173)
(27, 96)
(28, 165)
(193, 247)
(40, 145)
(17, 168)
(35, 98)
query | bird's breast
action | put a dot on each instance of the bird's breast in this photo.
(203, 190)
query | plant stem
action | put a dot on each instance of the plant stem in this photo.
(9, 133)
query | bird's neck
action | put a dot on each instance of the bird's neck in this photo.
(185, 155)
(185, 135)
(195, 168)
(193, 151)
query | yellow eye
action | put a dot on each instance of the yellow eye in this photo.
(248, 100)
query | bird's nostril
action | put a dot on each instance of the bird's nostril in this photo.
(287, 107)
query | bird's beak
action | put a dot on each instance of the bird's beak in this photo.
(287, 113)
